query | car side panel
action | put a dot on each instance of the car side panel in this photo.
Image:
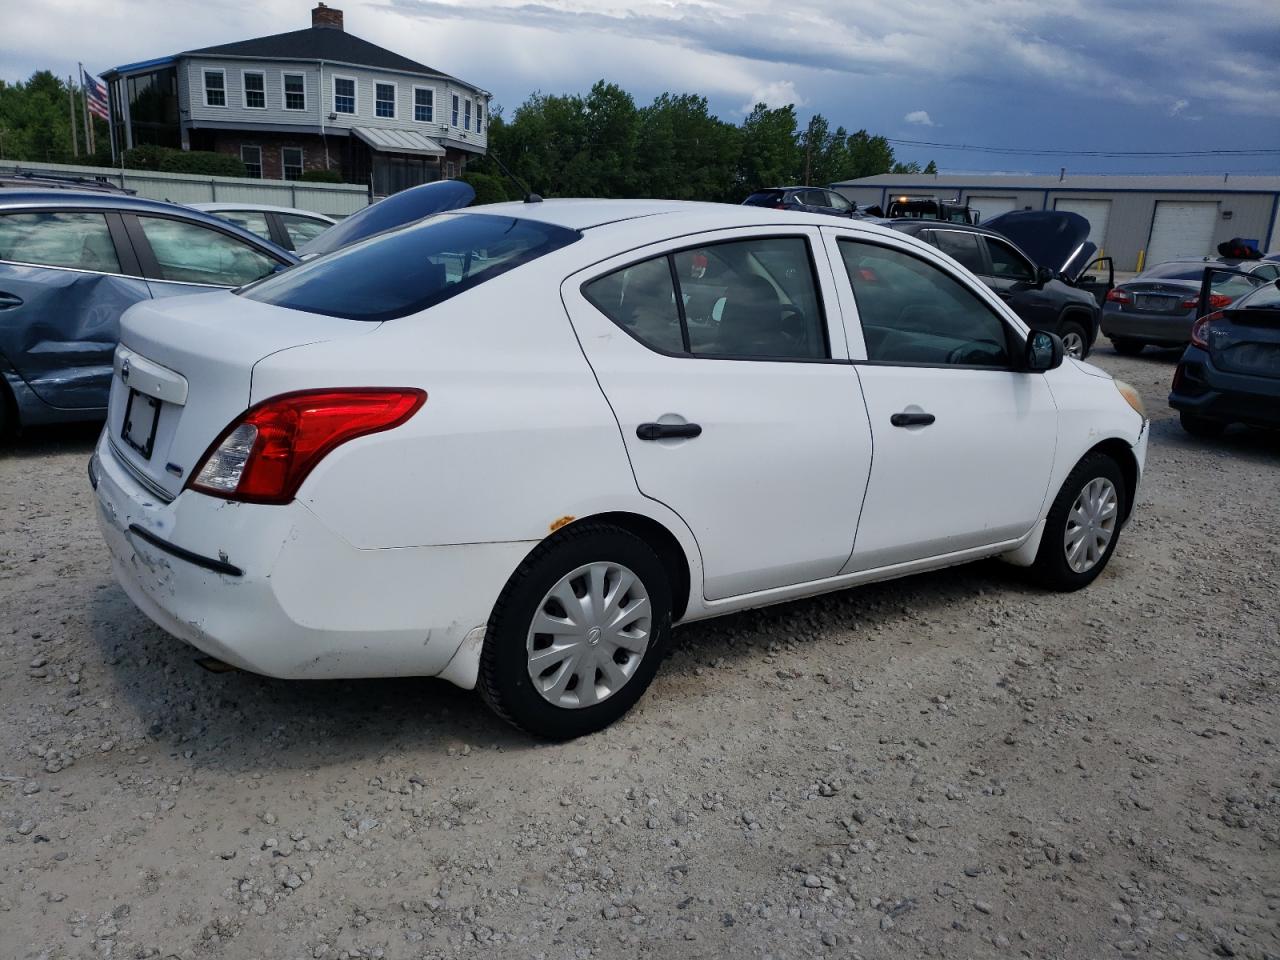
(61, 337)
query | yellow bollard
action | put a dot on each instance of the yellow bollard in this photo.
(1142, 256)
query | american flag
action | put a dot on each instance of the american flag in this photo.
(95, 95)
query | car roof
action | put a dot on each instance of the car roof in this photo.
(589, 214)
(12, 201)
(259, 208)
(922, 223)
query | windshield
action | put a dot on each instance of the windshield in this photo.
(395, 274)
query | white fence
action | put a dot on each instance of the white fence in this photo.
(334, 199)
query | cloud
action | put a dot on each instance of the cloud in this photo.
(776, 94)
(1177, 107)
(919, 116)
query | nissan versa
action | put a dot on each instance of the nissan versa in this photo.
(511, 446)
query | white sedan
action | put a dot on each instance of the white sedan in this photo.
(512, 446)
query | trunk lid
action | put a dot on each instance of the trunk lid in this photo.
(183, 372)
(1161, 296)
(1247, 341)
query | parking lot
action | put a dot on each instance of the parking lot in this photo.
(955, 764)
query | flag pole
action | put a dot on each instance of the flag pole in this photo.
(88, 120)
(71, 109)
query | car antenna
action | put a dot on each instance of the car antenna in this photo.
(529, 195)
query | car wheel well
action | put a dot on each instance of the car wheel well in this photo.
(1080, 316)
(1122, 454)
(663, 543)
(8, 409)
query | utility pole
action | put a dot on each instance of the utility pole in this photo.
(808, 150)
(71, 111)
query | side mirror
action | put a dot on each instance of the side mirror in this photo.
(1043, 276)
(1044, 351)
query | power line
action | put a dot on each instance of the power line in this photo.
(1028, 152)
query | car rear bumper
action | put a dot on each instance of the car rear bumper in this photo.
(1158, 328)
(1202, 389)
(272, 590)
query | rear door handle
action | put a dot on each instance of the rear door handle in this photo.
(8, 300)
(912, 419)
(664, 431)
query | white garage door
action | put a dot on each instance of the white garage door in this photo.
(1181, 229)
(993, 206)
(1095, 211)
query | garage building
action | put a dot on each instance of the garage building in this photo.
(1135, 219)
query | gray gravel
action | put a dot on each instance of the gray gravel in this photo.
(952, 765)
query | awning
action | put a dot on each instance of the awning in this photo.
(398, 141)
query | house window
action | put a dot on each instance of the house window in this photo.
(215, 88)
(251, 157)
(423, 104)
(451, 168)
(344, 95)
(479, 114)
(295, 92)
(466, 117)
(255, 90)
(384, 100)
(455, 109)
(291, 161)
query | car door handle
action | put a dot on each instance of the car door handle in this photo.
(912, 419)
(665, 431)
(8, 300)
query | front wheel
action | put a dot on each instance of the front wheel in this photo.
(578, 632)
(1075, 342)
(1083, 525)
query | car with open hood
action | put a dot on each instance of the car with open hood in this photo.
(71, 262)
(1037, 261)
(511, 446)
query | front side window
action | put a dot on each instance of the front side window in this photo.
(455, 109)
(78, 240)
(423, 104)
(295, 92)
(255, 91)
(405, 271)
(913, 313)
(291, 162)
(302, 229)
(384, 103)
(1008, 263)
(753, 298)
(251, 157)
(344, 95)
(838, 202)
(215, 88)
(193, 253)
(959, 246)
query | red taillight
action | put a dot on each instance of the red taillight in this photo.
(1216, 301)
(1200, 329)
(264, 456)
(1116, 295)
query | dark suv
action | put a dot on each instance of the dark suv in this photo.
(1046, 286)
(804, 199)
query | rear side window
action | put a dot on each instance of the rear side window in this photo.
(404, 271)
(78, 240)
(764, 198)
(754, 299)
(192, 253)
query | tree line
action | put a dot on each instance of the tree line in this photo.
(36, 119)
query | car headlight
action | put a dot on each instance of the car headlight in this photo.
(1131, 397)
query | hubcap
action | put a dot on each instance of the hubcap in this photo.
(1091, 523)
(1073, 345)
(588, 635)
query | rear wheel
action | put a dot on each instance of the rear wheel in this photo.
(1075, 342)
(1126, 347)
(1083, 525)
(578, 633)
(1201, 426)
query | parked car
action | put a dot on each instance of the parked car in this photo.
(511, 446)
(1158, 306)
(283, 226)
(1048, 290)
(72, 262)
(803, 200)
(1230, 372)
(33, 180)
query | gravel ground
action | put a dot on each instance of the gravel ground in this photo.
(951, 765)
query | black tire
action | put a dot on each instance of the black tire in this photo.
(1051, 568)
(1201, 426)
(504, 680)
(1126, 347)
(1070, 328)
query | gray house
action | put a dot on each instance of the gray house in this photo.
(313, 99)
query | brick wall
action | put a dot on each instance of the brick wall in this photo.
(312, 147)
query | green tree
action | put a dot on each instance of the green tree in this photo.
(771, 153)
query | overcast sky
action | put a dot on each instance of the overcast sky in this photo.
(1160, 75)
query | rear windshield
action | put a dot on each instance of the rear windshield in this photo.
(394, 274)
(1176, 271)
(763, 198)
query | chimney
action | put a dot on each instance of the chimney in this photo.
(322, 16)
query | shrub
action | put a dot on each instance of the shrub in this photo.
(321, 176)
(489, 189)
(168, 160)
